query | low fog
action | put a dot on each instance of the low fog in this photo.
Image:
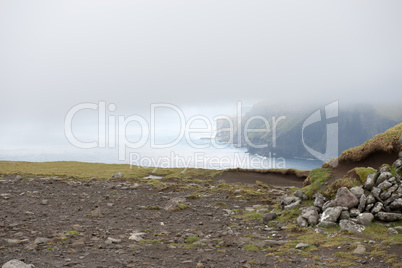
(202, 56)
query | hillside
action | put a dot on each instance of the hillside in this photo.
(357, 123)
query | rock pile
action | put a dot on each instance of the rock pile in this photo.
(379, 198)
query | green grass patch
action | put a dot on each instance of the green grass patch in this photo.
(192, 239)
(251, 247)
(364, 172)
(318, 178)
(150, 242)
(72, 233)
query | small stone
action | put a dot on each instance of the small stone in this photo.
(268, 217)
(392, 231)
(399, 229)
(117, 175)
(354, 212)
(17, 264)
(370, 181)
(357, 191)
(301, 195)
(301, 245)
(362, 203)
(71, 251)
(345, 215)
(319, 201)
(360, 249)
(44, 202)
(350, 226)
(377, 208)
(301, 222)
(41, 240)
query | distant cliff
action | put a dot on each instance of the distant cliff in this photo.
(356, 124)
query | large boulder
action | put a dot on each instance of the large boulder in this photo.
(350, 226)
(388, 216)
(345, 198)
(331, 214)
(365, 218)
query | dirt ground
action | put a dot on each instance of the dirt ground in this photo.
(52, 222)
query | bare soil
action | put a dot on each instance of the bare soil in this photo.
(77, 218)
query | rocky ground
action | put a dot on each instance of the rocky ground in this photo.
(55, 222)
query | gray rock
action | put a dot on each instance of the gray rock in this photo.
(274, 243)
(399, 229)
(400, 139)
(344, 198)
(117, 175)
(331, 214)
(396, 205)
(362, 203)
(301, 222)
(319, 201)
(388, 216)
(377, 208)
(365, 218)
(370, 199)
(326, 224)
(385, 168)
(17, 264)
(392, 231)
(268, 217)
(383, 177)
(293, 205)
(301, 245)
(354, 212)
(287, 200)
(397, 163)
(300, 195)
(345, 215)
(350, 226)
(371, 180)
(360, 249)
(384, 185)
(376, 193)
(111, 240)
(173, 203)
(385, 195)
(400, 154)
(357, 191)
(41, 240)
(329, 204)
(320, 231)
(311, 215)
(369, 207)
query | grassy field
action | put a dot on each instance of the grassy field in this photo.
(97, 170)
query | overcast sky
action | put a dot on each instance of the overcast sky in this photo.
(56, 54)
